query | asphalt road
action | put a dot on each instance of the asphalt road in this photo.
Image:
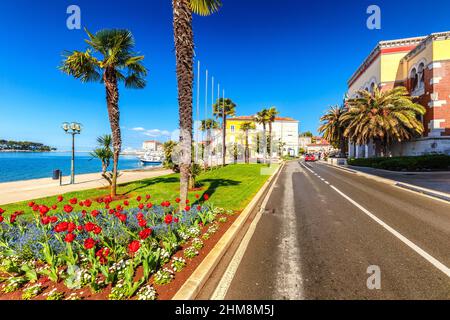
(322, 229)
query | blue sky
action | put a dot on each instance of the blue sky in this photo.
(293, 54)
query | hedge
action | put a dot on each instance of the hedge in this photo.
(420, 163)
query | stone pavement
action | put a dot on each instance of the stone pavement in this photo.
(11, 192)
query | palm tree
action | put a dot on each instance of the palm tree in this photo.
(104, 153)
(383, 117)
(169, 148)
(222, 109)
(262, 118)
(333, 128)
(271, 116)
(208, 125)
(116, 63)
(246, 127)
(184, 52)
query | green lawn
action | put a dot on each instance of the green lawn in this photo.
(231, 187)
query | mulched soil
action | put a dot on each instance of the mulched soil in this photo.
(165, 292)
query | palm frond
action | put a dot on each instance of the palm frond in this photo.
(205, 7)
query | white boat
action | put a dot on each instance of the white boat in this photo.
(152, 158)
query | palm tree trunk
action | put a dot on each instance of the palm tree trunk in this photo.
(342, 145)
(184, 47)
(264, 144)
(112, 100)
(247, 155)
(224, 146)
(208, 146)
(270, 143)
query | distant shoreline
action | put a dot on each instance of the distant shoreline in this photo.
(24, 151)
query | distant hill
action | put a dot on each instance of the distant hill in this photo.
(9, 145)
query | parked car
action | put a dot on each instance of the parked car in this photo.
(310, 158)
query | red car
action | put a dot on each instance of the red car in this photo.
(310, 157)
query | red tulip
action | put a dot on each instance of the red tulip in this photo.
(69, 237)
(61, 227)
(144, 234)
(88, 203)
(149, 205)
(73, 201)
(126, 203)
(95, 213)
(60, 198)
(187, 201)
(81, 203)
(176, 220)
(134, 246)
(31, 204)
(97, 229)
(197, 196)
(44, 210)
(89, 243)
(139, 198)
(71, 226)
(13, 218)
(35, 208)
(54, 207)
(89, 226)
(142, 223)
(177, 200)
(148, 196)
(187, 208)
(45, 220)
(141, 206)
(123, 218)
(2, 211)
(80, 228)
(199, 208)
(140, 216)
(1, 219)
(68, 208)
(206, 197)
(168, 219)
(53, 219)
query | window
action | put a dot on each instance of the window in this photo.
(421, 76)
(232, 129)
(372, 87)
(414, 79)
(417, 79)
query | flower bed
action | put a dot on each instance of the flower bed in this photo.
(118, 252)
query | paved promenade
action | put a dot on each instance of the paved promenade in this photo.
(11, 192)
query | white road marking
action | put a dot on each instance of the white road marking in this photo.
(439, 265)
(288, 278)
(224, 284)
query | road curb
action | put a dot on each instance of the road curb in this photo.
(423, 191)
(197, 280)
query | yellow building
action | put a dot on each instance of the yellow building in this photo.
(422, 64)
(284, 130)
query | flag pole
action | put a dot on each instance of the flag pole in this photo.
(224, 128)
(211, 130)
(206, 118)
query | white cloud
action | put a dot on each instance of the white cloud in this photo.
(154, 133)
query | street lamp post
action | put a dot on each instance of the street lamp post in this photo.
(73, 129)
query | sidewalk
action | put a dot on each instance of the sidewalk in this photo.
(438, 181)
(11, 192)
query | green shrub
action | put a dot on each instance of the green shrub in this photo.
(426, 162)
